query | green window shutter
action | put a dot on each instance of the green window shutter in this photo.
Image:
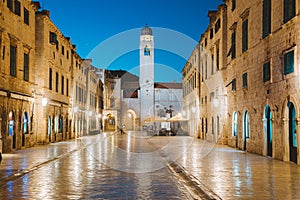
(13, 60)
(245, 80)
(289, 10)
(266, 72)
(289, 63)
(26, 67)
(233, 55)
(245, 35)
(266, 17)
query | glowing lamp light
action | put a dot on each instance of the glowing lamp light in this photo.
(75, 109)
(44, 101)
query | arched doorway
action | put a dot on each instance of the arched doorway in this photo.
(110, 123)
(25, 127)
(268, 130)
(218, 127)
(49, 124)
(129, 119)
(246, 129)
(11, 129)
(235, 127)
(292, 132)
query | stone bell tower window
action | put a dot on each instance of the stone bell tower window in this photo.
(146, 51)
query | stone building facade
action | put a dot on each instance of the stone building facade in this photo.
(17, 75)
(40, 70)
(213, 98)
(260, 76)
(265, 74)
(191, 93)
(53, 62)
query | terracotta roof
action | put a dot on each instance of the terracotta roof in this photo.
(168, 85)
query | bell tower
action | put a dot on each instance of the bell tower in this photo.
(146, 73)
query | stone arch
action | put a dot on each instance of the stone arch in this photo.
(286, 131)
(246, 128)
(129, 119)
(268, 118)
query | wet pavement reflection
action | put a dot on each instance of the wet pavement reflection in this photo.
(136, 166)
(91, 171)
(234, 174)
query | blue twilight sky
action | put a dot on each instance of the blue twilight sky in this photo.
(107, 31)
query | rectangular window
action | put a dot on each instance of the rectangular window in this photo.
(245, 35)
(56, 82)
(266, 72)
(26, 67)
(289, 10)
(53, 38)
(67, 54)
(62, 84)
(212, 64)
(17, 7)
(50, 78)
(233, 85)
(218, 59)
(233, 5)
(206, 68)
(267, 18)
(217, 25)
(211, 33)
(289, 62)
(13, 60)
(26, 16)
(62, 50)
(233, 46)
(10, 5)
(245, 80)
(67, 90)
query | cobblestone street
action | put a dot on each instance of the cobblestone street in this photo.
(135, 166)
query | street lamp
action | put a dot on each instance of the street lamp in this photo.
(44, 101)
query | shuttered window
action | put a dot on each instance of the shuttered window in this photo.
(289, 10)
(289, 62)
(56, 82)
(245, 80)
(233, 46)
(50, 78)
(26, 67)
(266, 72)
(245, 35)
(267, 4)
(13, 60)
(26, 16)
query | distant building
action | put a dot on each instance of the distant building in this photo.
(213, 98)
(191, 93)
(130, 99)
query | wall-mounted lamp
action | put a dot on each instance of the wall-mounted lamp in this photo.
(44, 101)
